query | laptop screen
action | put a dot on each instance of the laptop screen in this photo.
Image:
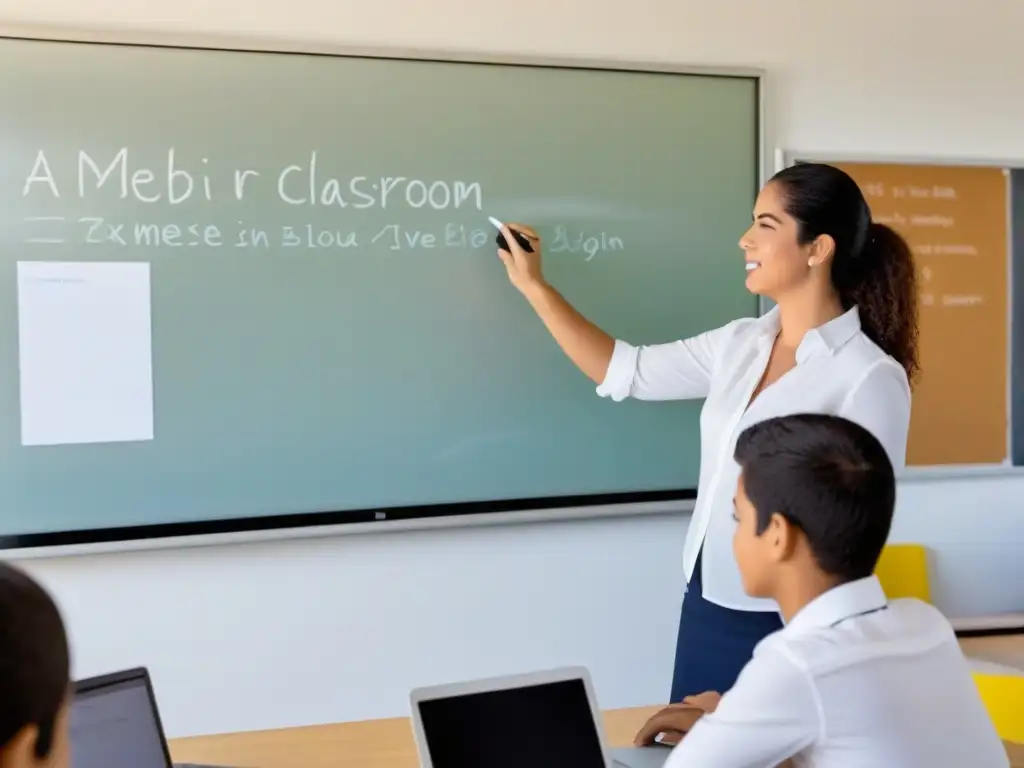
(540, 726)
(114, 726)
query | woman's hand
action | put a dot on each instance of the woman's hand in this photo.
(587, 346)
(524, 269)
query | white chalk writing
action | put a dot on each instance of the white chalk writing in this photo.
(956, 300)
(112, 182)
(909, 191)
(174, 181)
(929, 249)
(589, 243)
(932, 220)
(104, 231)
(929, 214)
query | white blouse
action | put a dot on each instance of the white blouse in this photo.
(839, 370)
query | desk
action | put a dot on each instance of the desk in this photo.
(369, 744)
(389, 743)
(1007, 650)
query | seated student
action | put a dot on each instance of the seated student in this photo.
(852, 679)
(34, 676)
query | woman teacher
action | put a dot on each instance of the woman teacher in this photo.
(842, 339)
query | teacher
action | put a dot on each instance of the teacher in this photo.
(842, 339)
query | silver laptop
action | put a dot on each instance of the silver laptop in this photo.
(538, 720)
(115, 723)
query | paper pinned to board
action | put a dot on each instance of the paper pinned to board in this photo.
(85, 352)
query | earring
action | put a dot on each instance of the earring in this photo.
(810, 262)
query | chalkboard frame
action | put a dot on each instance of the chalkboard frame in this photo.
(1012, 465)
(418, 517)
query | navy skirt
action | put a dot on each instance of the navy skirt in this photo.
(714, 643)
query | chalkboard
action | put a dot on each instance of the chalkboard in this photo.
(956, 218)
(251, 290)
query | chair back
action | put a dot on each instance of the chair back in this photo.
(903, 571)
(1003, 696)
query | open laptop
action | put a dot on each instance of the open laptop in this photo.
(115, 723)
(538, 720)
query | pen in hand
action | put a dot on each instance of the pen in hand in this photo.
(522, 239)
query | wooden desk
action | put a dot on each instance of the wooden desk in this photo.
(368, 744)
(998, 649)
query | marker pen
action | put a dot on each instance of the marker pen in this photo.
(523, 241)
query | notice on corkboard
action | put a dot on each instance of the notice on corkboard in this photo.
(955, 219)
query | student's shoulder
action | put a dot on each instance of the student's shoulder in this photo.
(773, 669)
(918, 618)
(907, 626)
(783, 652)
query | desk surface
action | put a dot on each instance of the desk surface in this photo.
(1007, 650)
(389, 743)
(369, 744)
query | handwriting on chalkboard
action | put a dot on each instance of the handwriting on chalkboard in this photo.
(915, 225)
(297, 185)
(100, 230)
(304, 184)
(911, 191)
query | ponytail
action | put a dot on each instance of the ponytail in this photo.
(882, 282)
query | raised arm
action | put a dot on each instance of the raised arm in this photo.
(586, 345)
(674, 371)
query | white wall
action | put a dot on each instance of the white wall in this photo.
(277, 634)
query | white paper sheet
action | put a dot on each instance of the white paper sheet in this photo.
(85, 352)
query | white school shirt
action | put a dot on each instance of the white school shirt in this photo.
(839, 371)
(851, 682)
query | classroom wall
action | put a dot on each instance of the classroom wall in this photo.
(275, 634)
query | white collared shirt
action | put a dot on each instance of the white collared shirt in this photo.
(851, 682)
(839, 370)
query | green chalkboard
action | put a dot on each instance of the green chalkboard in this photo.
(243, 284)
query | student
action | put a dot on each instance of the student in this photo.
(35, 686)
(842, 339)
(852, 679)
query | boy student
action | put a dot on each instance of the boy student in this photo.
(34, 676)
(852, 679)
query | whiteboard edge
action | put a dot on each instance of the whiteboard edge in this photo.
(377, 527)
(98, 34)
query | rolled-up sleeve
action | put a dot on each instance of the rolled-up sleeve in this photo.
(678, 370)
(881, 404)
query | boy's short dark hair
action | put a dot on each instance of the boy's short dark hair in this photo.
(34, 659)
(828, 476)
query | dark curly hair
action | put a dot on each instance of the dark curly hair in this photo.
(872, 267)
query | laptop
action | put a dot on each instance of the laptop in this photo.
(539, 720)
(115, 723)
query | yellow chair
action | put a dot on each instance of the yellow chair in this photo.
(1003, 696)
(903, 571)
